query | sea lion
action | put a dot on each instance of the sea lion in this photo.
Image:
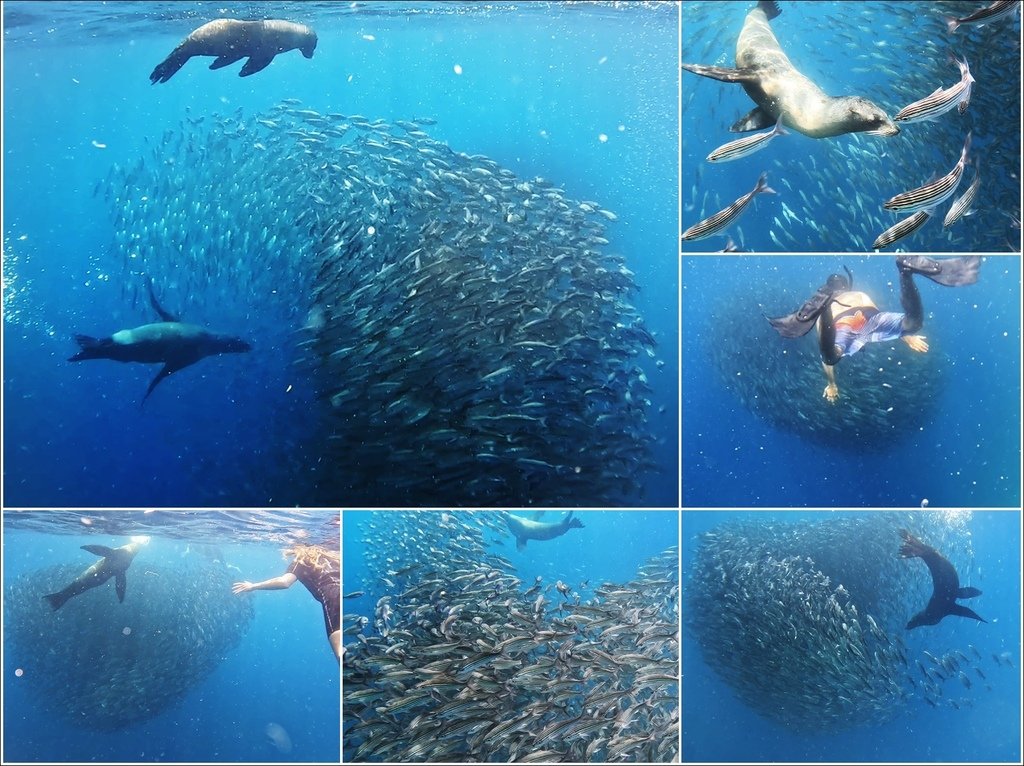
(115, 563)
(175, 344)
(778, 89)
(525, 529)
(945, 584)
(230, 40)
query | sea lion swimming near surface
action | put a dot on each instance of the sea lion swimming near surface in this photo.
(945, 584)
(175, 344)
(115, 563)
(775, 85)
(231, 40)
(525, 529)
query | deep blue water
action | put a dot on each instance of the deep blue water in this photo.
(893, 54)
(986, 732)
(967, 455)
(281, 671)
(540, 86)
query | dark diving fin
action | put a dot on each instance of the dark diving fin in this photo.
(951, 272)
(968, 593)
(164, 315)
(963, 611)
(800, 322)
(755, 119)
(725, 74)
(98, 550)
(120, 583)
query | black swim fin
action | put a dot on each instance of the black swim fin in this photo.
(800, 322)
(951, 272)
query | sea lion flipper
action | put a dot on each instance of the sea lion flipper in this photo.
(723, 73)
(120, 583)
(226, 60)
(167, 68)
(256, 63)
(755, 119)
(963, 611)
(165, 372)
(98, 550)
(968, 592)
(165, 315)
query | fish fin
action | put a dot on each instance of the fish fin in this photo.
(968, 593)
(755, 119)
(227, 60)
(120, 583)
(167, 316)
(98, 550)
(255, 64)
(724, 73)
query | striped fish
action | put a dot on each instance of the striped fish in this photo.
(963, 204)
(901, 229)
(942, 100)
(724, 218)
(935, 193)
(747, 145)
(984, 15)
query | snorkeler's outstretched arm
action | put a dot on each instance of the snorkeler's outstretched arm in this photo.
(286, 580)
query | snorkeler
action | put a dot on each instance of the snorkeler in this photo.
(847, 319)
(319, 569)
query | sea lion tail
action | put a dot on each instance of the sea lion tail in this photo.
(90, 348)
(770, 7)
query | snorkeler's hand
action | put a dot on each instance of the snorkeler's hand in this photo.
(831, 393)
(241, 587)
(916, 343)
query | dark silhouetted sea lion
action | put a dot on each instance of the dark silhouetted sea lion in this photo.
(775, 85)
(171, 342)
(115, 563)
(945, 584)
(231, 40)
(525, 529)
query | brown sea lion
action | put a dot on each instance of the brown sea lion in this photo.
(778, 88)
(231, 40)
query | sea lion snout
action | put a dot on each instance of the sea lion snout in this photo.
(309, 46)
